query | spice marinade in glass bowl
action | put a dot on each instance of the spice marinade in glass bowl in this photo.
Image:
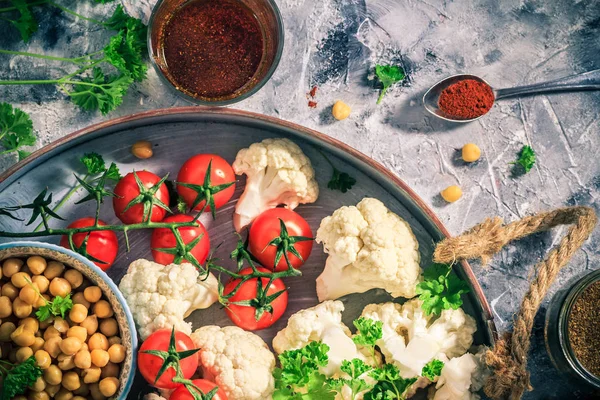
(215, 52)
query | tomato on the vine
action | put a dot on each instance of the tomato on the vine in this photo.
(183, 393)
(253, 306)
(150, 364)
(101, 245)
(265, 231)
(206, 177)
(132, 204)
(166, 250)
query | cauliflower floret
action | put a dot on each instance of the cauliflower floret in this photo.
(411, 339)
(321, 323)
(458, 376)
(162, 296)
(239, 362)
(369, 247)
(277, 172)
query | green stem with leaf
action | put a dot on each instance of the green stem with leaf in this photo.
(64, 199)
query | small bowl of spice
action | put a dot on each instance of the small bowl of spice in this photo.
(215, 52)
(572, 330)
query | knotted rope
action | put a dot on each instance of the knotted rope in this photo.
(508, 359)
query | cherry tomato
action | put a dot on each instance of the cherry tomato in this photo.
(182, 393)
(127, 189)
(150, 364)
(245, 316)
(102, 245)
(266, 227)
(163, 238)
(193, 172)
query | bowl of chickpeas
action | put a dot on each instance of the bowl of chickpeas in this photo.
(88, 354)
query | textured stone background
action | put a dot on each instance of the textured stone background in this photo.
(335, 43)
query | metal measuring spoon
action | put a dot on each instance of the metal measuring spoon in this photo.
(585, 81)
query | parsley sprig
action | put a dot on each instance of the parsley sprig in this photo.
(526, 159)
(388, 75)
(58, 307)
(441, 289)
(340, 180)
(18, 377)
(16, 130)
(432, 369)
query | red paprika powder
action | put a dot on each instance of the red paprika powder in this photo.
(466, 99)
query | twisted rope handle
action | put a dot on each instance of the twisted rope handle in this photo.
(508, 359)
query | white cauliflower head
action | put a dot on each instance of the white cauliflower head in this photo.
(460, 377)
(369, 247)
(411, 339)
(239, 362)
(277, 173)
(160, 296)
(321, 323)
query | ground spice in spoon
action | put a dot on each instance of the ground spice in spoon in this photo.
(466, 99)
(584, 328)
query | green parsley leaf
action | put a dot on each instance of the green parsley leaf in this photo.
(58, 307)
(388, 75)
(526, 159)
(100, 92)
(16, 130)
(355, 369)
(113, 172)
(390, 385)
(125, 52)
(441, 289)
(19, 378)
(341, 181)
(369, 331)
(118, 20)
(26, 24)
(104, 1)
(432, 369)
(94, 163)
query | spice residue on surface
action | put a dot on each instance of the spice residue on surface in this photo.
(311, 97)
(212, 48)
(466, 99)
(584, 328)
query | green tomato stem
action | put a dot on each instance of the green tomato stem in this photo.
(383, 91)
(62, 201)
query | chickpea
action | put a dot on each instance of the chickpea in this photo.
(59, 287)
(41, 301)
(79, 332)
(114, 340)
(44, 325)
(36, 265)
(38, 344)
(90, 324)
(91, 375)
(340, 110)
(65, 362)
(6, 329)
(79, 397)
(20, 280)
(142, 149)
(110, 370)
(11, 266)
(5, 307)
(70, 346)
(42, 283)
(116, 352)
(22, 337)
(61, 325)
(52, 346)
(98, 341)
(52, 389)
(103, 309)
(85, 347)
(83, 391)
(31, 324)
(95, 392)
(83, 359)
(471, 152)
(53, 375)
(92, 294)
(42, 359)
(10, 291)
(79, 298)
(21, 309)
(64, 394)
(70, 381)
(109, 327)
(41, 395)
(29, 294)
(51, 332)
(451, 193)
(23, 353)
(108, 386)
(100, 357)
(78, 313)
(54, 269)
(39, 385)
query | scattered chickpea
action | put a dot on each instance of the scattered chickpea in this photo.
(65, 362)
(29, 294)
(54, 269)
(79, 332)
(90, 324)
(92, 294)
(53, 375)
(59, 287)
(63, 394)
(340, 110)
(109, 327)
(78, 313)
(451, 193)
(8, 290)
(23, 353)
(100, 357)
(91, 375)
(70, 346)
(42, 395)
(83, 359)
(116, 353)
(74, 277)
(39, 385)
(42, 283)
(108, 386)
(42, 359)
(20, 280)
(61, 325)
(52, 346)
(110, 370)
(38, 344)
(71, 381)
(37, 265)
(31, 324)
(22, 337)
(98, 341)
(471, 152)
(142, 149)
(6, 329)
(5, 307)
(11, 266)
(21, 309)
(103, 309)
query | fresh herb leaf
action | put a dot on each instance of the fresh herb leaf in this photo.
(526, 159)
(113, 172)
(390, 385)
(432, 369)
(100, 92)
(369, 331)
(58, 307)
(355, 369)
(16, 130)
(118, 20)
(125, 52)
(18, 378)
(94, 163)
(104, 1)
(341, 181)
(26, 23)
(388, 75)
(441, 289)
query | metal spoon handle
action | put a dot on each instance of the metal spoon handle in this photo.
(586, 81)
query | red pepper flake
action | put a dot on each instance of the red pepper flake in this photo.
(313, 92)
(311, 97)
(312, 104)
(466, 99)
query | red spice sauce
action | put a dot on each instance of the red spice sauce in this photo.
(466, 99)
(212, 48)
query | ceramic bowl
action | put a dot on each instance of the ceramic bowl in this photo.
(99, 278)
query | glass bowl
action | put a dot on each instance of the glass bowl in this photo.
(271, 23)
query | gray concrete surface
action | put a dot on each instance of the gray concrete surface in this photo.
(336, 43)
